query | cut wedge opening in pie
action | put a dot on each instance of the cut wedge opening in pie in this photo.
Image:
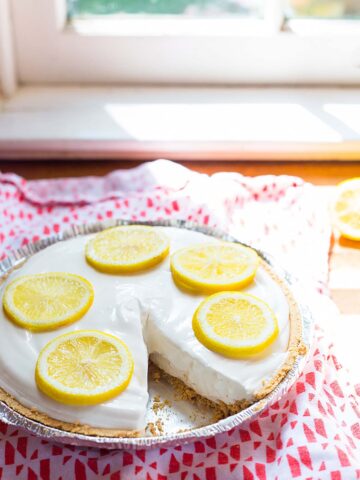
(211, 314)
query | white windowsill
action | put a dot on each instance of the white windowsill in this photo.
(241, 116)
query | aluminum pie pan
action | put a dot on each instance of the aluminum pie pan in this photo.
(191, 431)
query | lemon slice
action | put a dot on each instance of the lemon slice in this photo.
(346, 208)
(84, 367)
(127, 249)
(235, 324)
(214, 267)
(45, 301)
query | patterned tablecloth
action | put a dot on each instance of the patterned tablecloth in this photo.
(311, 433)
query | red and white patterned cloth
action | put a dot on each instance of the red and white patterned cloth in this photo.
(313, 432)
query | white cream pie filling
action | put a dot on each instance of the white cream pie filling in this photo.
(152, 316)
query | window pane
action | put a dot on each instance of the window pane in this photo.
(193, 8)
(324, 8)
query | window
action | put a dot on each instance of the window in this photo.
(189, 8)
(210, 8)
(323, 8)
(186, 41)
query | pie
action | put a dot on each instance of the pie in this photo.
(152, 314)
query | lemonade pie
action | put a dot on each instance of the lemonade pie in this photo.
(82, 317)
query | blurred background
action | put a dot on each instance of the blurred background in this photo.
(257, 87)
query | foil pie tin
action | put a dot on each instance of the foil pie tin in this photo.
(182, 421)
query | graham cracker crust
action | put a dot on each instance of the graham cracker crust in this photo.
(44, 419)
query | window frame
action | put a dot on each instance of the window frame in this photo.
(268, 54)
(8, 74)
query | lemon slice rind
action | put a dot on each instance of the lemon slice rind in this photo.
(69, 395)
(145, 247)
(38, 292)
(247, 259)
(235, 347)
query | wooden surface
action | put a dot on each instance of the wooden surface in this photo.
(319, 173)
(231, 151)
(344, 276)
